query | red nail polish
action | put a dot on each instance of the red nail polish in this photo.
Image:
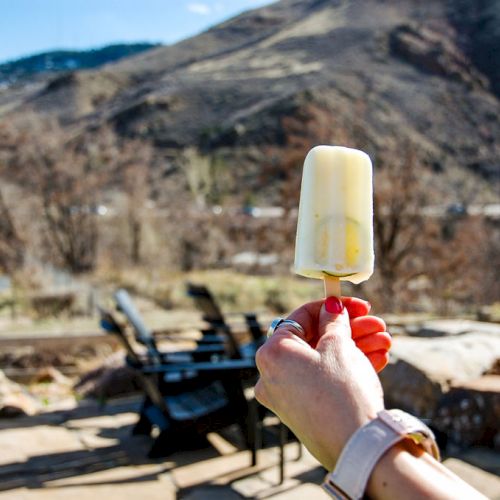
(334, 305)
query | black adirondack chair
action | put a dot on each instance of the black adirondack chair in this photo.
(187, 400)
(218, 358)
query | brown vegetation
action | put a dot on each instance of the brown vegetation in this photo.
(423, 261)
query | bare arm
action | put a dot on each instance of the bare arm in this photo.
(405, 472)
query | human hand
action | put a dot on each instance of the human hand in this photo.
(321, 385)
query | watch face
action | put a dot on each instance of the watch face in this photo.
(413, 428)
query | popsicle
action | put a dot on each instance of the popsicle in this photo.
(335, 221)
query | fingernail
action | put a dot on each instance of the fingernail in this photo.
(334, 305)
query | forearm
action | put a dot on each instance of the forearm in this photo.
(403, 472)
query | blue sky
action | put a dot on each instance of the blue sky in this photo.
(31, 26)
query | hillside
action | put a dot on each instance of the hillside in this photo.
(368, 73)
(67, 60)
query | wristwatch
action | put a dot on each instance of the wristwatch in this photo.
(365, 447)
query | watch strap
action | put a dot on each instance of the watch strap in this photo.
(365, 447)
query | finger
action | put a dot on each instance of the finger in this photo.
(367, 325)
(286, 335)
(307, 316)
(333, 322)
(380, 341)
(356, 307)
(378, 359)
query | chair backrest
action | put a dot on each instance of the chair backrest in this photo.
(142, 333)
(109, 324)
(255, 328)
(206, 303)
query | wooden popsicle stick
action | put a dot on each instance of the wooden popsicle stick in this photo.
(332, 286)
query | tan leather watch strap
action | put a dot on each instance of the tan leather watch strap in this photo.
(365, 447)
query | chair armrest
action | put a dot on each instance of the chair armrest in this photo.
(204, 366)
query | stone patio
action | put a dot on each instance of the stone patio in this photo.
(87, 452)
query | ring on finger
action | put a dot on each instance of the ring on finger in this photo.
(276, 323)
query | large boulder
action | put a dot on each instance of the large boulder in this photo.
(421, 370)
(469, 414)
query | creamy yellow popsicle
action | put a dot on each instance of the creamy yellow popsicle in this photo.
(335, 220)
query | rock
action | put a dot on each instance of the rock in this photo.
(410, 388)
(50, 374)
(433, 52)
(449, 327)
(489, 313)
(15, 400)
(50, 386)
(486, 483)
(52, 304)
(495, 369)
(112, 378)
(421, 370)
(469, 414)
(482, 458)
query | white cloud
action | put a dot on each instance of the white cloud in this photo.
(199, 8)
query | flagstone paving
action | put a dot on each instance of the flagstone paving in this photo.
(88, 452)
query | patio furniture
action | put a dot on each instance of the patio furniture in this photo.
(187, 400)
(201, 390)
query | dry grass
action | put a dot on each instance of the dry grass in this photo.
(236, 292)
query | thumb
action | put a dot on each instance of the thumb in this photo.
(334, 319)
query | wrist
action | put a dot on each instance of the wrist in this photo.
(333, 442)
(368, 446)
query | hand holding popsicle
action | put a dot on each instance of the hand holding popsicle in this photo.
(368, 332)
(320, 385)
(324, 389)
(314, 376)
(335, 234)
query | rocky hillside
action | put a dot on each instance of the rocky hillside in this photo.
(368, 73)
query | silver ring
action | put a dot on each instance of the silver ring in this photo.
(280, 321)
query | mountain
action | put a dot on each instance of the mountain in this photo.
(67, 60)
(372, 74)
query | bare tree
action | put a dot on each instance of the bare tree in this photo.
(423, 259)
(132, 164)
(12, 246)
(399, 221)
(66, 175)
